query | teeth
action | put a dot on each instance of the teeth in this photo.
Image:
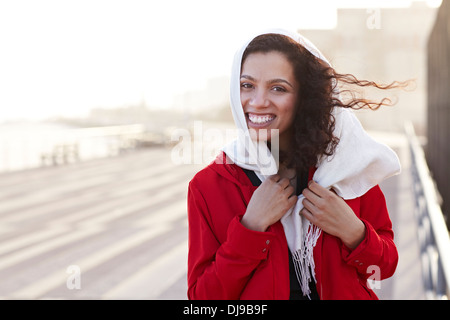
(260, 119)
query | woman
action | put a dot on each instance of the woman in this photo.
(313, 225)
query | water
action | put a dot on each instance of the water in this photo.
(25, 145)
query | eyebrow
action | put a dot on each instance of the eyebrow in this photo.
(272, 81)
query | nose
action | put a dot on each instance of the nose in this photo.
(259, 99)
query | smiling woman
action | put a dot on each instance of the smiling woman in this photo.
(312, 225)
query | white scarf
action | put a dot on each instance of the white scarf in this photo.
(358, 164)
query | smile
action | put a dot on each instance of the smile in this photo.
(260, 119)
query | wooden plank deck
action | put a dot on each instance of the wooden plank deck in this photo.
(122, 221)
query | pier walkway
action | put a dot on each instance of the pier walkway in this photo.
(116, 228)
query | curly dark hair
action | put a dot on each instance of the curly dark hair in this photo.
(314, 123)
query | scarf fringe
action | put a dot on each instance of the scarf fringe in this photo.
(303, 259)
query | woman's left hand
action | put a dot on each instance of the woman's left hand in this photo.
(328, 211)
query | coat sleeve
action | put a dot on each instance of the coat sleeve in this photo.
(220, 270)
(377, 252)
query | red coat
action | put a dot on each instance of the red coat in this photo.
(228, 261)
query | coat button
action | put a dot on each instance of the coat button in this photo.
(267, 242)
(264, 250)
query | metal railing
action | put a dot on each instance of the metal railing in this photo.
(432, 230)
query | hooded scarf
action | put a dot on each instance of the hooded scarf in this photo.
(358, 164)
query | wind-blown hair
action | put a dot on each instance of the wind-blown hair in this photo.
(314, 123)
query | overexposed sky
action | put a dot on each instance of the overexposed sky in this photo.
(64, 57)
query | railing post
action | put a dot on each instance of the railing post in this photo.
(432, 230)
(441, 291)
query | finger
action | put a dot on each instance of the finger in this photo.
(284, 183)
(310, 206)
(318, 189)
(311, 196)
(293, 196)
(275, 177)
(289, 191)
(292, 200)
(304, 212)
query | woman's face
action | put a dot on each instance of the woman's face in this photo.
(269, 93)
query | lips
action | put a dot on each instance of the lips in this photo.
(260, 119)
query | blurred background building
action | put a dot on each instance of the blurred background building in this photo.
(438, 103)
(383, 45)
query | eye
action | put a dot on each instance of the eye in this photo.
(246, 85)
(279, 89)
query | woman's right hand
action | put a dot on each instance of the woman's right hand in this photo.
(273, 198)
